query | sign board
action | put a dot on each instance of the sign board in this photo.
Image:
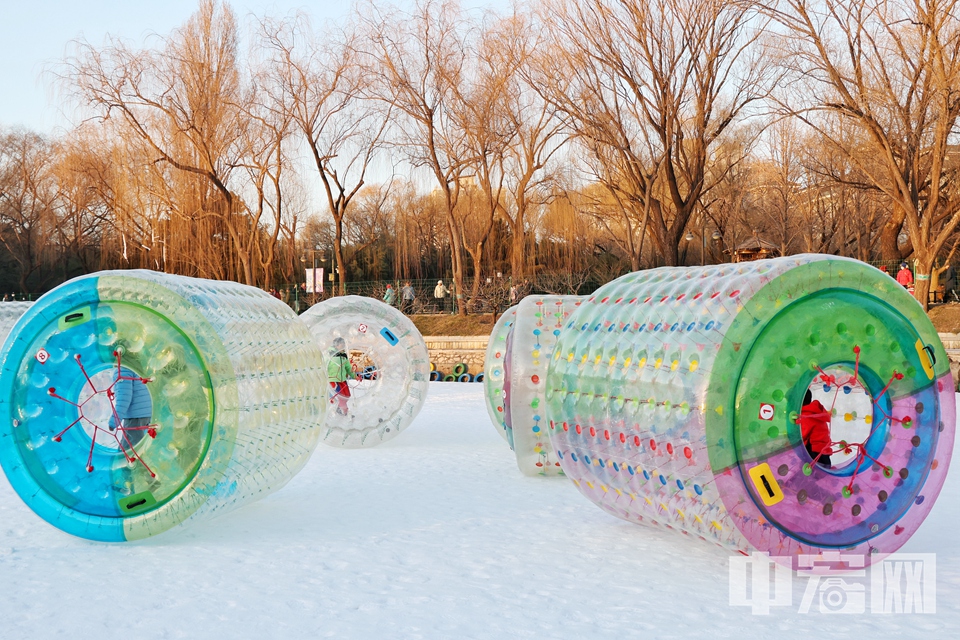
(314, 280)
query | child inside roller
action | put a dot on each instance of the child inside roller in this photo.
(815, 429)
(339, 370)
(132, 405)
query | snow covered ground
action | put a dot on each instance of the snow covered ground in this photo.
(435, 534)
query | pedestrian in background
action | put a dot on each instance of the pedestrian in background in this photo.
(390, 296)
(904, 276)
(407, 296)
(949, 284)
(440, 293)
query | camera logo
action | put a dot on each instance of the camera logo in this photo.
(839, 596)
(833, 590)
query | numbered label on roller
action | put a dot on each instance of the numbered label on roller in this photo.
(42, 356)
(362, 328)
(767, 411)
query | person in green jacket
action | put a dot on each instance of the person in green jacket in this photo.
(390, 295)
(339, 370)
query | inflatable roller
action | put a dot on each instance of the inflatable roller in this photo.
(495, 373)
(676, 396)
(377, 339)
(536, 329)
(133, 401)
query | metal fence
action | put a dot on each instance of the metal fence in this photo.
(493, 294)
(490, 295)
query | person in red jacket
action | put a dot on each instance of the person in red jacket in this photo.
(815, 429)
(904, 276)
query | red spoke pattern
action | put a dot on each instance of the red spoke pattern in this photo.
(860, 447)
(119, 435)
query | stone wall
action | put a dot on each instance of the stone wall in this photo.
(448, 351)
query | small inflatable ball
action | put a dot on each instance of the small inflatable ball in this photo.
(683, 397)
(134, 401)
(377, 365)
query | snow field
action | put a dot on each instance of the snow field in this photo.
(435, 534)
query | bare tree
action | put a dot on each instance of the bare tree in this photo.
(418, 60)
(649, 87)
(185, 104)
(28, 193)
(322, 87)
(891, 68)
(539, 133)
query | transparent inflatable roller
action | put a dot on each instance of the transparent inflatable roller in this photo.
(495, 374)
(229, 402)
(389, 369)
(538, 325)
(674, 396)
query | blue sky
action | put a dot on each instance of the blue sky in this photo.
(36, 33)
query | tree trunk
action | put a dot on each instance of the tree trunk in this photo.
(518, 251)
(456, 263)
(921, 285)
(477, 256)
(340, 269)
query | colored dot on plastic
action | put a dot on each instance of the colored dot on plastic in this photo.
(662, 479)
(698, 489)
(670, 448)
(653, 444)
(535, 379)
(593, 431)
(687, 453)
(807, 469)
(773, 432)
